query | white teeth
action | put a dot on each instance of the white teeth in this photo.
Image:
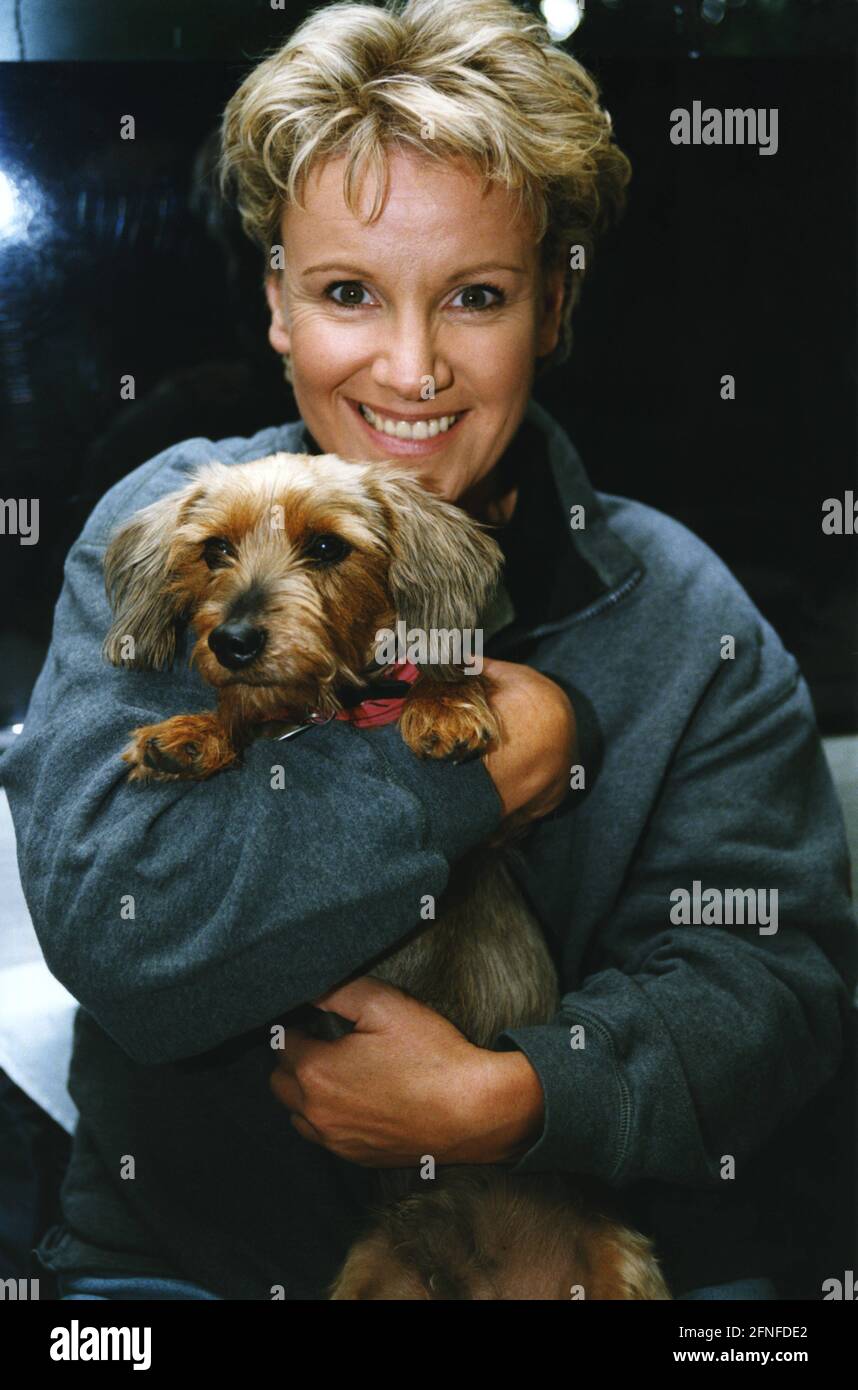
(404, 429)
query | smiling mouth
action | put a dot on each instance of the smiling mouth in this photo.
(423, 428)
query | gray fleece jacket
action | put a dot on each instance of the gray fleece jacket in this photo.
(691, 1031)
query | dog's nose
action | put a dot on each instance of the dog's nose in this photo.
(236, 644)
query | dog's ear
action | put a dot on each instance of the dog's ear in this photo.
(624, 1266)
(137, 572)
(444, 567)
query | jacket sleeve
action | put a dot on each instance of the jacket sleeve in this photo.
(694, 1042)
(183, 914)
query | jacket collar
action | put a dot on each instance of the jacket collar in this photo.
(610, 559)
(554, 574)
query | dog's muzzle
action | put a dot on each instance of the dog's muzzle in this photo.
(237, 644)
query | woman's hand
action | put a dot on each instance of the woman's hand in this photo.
(530, 767)
(405, 1084)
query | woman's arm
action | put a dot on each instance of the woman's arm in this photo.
(684, 1044)
(700, 1040)
(183, 914)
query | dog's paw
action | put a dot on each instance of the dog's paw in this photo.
(448, 722)
(188, 747)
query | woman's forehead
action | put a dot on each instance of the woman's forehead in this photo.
(432, 210)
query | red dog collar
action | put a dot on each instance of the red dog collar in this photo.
(382, 706)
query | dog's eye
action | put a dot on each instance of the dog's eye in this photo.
(327, 550)
(216, 551)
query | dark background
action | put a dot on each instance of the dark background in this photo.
(116, 258)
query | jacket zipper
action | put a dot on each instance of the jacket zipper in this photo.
(598, 606)
(607, 600)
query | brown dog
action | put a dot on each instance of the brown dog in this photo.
(286, 569)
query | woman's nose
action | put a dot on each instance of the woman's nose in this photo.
(407, 362)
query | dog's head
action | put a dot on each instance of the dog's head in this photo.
(287, 567)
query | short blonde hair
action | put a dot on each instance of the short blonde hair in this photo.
(447, 79)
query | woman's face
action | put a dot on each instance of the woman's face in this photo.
(444, 290)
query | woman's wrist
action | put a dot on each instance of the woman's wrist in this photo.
(501, 1109)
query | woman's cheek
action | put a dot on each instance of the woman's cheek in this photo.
(326, 349)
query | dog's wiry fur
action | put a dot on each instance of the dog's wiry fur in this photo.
(414, 557)
(483, 1233)
(473, 1232)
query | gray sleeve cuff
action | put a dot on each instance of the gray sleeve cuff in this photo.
(587, 1104)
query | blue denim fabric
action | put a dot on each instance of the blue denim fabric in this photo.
(135, 1287)
(739, 1289)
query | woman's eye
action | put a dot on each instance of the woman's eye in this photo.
(478, 293)
(476, 296)
(216, 552)
(327, 550)
(350, 288)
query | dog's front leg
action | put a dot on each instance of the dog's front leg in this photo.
(189, 747)
(449, 719)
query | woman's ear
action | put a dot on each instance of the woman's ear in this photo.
(444, 567)
(552, 283)
(278, 329)
(137, 573)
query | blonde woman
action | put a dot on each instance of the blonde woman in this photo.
(426, 185)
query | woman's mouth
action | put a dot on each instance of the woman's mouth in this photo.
(419, 434)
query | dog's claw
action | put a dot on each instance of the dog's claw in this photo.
(188, 747)
(155, 758)
(454, 727)
(463, 754)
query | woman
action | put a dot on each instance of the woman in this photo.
(431, 182)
